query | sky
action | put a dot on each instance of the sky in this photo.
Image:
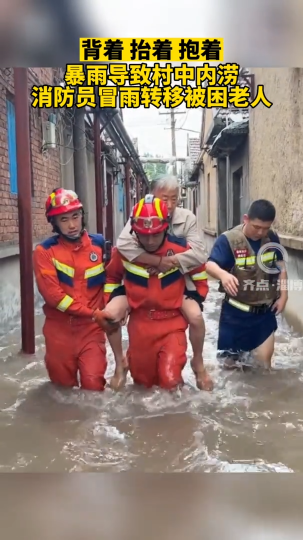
(250, 37)
(152, 129)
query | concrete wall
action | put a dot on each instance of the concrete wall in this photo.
(200, 204)
(294, 308)
(67, 156)
(9, 293)
(222, 195)
(10, 289)
(209, 189)
(67, 172)
(276, 146)
(207, 121)
(207, 214)
(275, 169)
(188, 202)
(239, 159)
(209, 193)
(92, 221)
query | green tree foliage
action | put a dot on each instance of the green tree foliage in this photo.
(153, 170)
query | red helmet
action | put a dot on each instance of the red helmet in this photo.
(62, 201)
(150, 216)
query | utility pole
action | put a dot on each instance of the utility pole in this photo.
(24, 177)
(173, 134)
(127, 189)
(98, 174)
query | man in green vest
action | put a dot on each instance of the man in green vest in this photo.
(249, 262)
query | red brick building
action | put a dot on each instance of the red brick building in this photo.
(45, 166)
(51, 168)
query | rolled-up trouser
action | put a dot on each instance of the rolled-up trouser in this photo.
(75, 345)
(157, 349)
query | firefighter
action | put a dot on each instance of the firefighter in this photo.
(248, 262)
(182, 223)
(156, 327)
(70, 276)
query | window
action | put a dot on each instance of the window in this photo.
(208, 197)
(12, 148)
(120, 195)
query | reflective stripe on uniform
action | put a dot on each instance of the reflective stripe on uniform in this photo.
(110, 287)
(134, 269)
(250, 261)
(170, 277)
(65, 303)
(95, 271)
(199, 277)
(68, 270)
(164, 274)
(239, 305)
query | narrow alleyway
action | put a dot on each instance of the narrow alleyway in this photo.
(251, 422)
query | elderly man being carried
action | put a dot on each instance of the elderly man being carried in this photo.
(182, 226)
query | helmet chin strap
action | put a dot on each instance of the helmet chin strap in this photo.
(72, 238)
(69, 238)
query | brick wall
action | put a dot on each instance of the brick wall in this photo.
(45, 168)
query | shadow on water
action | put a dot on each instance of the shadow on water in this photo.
(253, 421)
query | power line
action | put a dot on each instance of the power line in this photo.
(173, 133)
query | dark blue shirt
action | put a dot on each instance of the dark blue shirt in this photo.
(222, 255)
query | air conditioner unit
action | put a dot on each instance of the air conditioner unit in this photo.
(49, 135)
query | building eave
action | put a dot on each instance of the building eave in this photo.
(229, 139)
(193, 175)
(215, 128)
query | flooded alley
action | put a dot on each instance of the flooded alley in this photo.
(252, 422)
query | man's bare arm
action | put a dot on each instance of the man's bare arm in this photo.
(214, 270)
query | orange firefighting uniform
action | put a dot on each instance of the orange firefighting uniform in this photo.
(70, 278)
(156, 327)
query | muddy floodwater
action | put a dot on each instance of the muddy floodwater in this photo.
(251, 422)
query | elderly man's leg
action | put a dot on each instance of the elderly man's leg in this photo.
(192, 312)
(117, 308)
(119, 379)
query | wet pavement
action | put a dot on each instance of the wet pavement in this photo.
(251, 422)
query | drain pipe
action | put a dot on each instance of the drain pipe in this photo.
(117, 132)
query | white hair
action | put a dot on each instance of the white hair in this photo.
(165, 182)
